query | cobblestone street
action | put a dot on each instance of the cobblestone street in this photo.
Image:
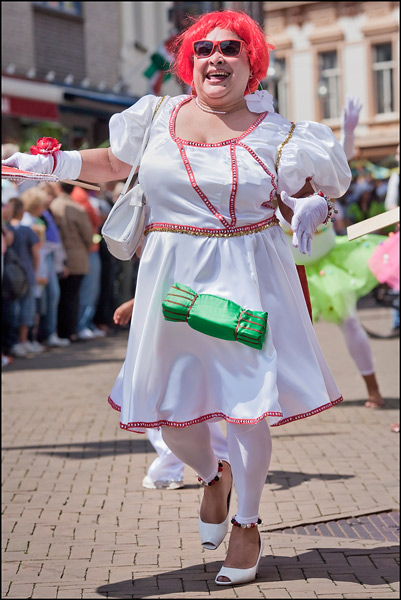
(78, 524)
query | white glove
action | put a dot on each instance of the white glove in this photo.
(68, 164)
(309, 213)
(349, 120)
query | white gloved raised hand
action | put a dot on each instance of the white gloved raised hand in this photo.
(349, 120)
(68, 164)
(350, 113)
(309, 213)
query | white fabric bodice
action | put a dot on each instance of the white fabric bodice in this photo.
(229, 184)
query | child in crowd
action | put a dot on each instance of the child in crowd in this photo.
(27, 246)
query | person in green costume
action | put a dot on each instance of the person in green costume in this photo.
(338, 273)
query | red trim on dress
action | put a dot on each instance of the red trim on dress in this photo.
(202, 144)
(151, 425)
(234, 186)
(195, 186)
(266, 170)
(232, 143)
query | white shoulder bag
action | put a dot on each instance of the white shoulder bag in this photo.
(125, 223)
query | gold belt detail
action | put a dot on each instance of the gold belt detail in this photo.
(218, 233)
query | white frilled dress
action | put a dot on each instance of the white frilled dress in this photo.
(212, 227)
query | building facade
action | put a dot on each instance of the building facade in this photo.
(60, 70)
(327, 50)
(68, 66)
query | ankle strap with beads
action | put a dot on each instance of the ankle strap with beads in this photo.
(245, 525)
(217, 478)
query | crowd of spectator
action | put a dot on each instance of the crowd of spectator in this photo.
(367, 197)
(72, 284)
(60, 285)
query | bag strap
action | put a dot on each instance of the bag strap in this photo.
(144, 144)
(279, 153)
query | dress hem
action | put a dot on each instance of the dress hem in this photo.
(151, 425)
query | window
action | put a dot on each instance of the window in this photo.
(383, 72)
(181, 10)
(65, 32)
(277, 84)
(328, 86)
(69, 8)
(139, 28)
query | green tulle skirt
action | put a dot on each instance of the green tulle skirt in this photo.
(337, 280)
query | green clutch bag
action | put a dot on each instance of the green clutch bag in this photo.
(215, 316)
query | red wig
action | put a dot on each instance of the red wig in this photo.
(243, 25)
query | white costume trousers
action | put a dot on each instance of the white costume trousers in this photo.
(167, 467)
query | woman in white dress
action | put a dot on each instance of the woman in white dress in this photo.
(210, 178)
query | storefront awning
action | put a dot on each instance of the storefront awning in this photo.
(33, 90)
(12, 106)
(100, 97)
(33, 99)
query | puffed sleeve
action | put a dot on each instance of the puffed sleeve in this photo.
(127, 129)
(313, 152)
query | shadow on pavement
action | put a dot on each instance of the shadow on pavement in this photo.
(290, 479)
(101, 449)
(85, 450)
(382, 571)
(389, 404)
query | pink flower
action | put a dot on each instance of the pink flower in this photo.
(46, 145)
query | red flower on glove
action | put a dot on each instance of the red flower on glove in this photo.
(46, 145)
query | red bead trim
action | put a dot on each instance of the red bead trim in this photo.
(232, 142)
(196, 187)
(268, 205)
(153, 424)
(205, 145)
(266, 170)
(216, 478)
(234, 186)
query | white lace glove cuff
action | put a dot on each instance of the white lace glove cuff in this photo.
(309, 213)
(67, 164)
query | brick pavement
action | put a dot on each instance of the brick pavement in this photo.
(77, 523)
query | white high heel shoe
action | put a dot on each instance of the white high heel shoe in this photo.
(212, 534)
(237, 576)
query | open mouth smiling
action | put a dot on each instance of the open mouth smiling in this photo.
(217, 76)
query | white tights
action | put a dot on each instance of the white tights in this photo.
(358, 344)
(249, 450)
